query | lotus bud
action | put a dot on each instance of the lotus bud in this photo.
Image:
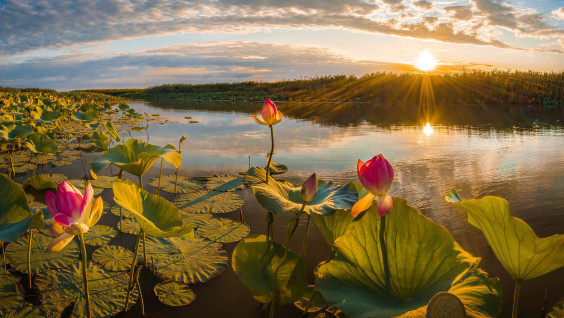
(309, 189)
(270, 115)
(376, 176)
(269, 217)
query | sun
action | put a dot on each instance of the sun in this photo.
(426, 61)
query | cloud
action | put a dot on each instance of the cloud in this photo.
(31, 25)
(195, 63)
(558, 14)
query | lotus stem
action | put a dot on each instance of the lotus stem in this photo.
(139, 289)
(271, 152)
(160, 174)
(144, 251)
(29, 256)
(175, 180)
(120, 217)
(384, 250)
(309, 302)
(241, 213)
(35, 165)
(132, 270)
(84, 273)
(81, 135)
(306, 235)
(4, 257)
(516, 298)
(13, 171)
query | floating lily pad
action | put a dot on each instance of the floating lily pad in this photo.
(24, 168)
(103, 182)
(42, 159)
(113, 258)
(11, 294)
(58, 288)
(209, 202)
(24, 311)
(173, 293)
(196, 219)
(557, 311)
(184, 184)
(16, 254)
(186, 260)
(281, 197)
(355, 281)
(79, 184)
(224, 183)
(124, 212)
(128, 226)
(40, 182)
(99, 235)
(256, 260)
(56, 177)
(71, 154)
(62, 162)
(224, 230)
(514, 243)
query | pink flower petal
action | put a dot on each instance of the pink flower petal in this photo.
(86, 204)
(259, 121)
(50, 199)
(63, 219)
(384, 205)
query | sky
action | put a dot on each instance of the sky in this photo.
(81, 44)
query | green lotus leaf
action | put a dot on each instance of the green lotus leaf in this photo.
(40, 182)
(11, 294)
(423, 260)
(49, 116)
(281, 197)
(71, 154)
(100, 139)
(514, 243)
(112, 131)
(255, 260)
(104, 182)
(16, 254)
(124, 212)
(173, 293)
(276, 168)
(38, 220)
(79, 184)
(57, 178)
(12, 132)
(59, 288)
(26, 310)
(41, 160)
(557, 311)
(15, 214)
(186, 260)
(129, 226)
(334, 225)
(255, 175)
(24, 167)
(87, 116)
(197, 219)
(62, 162)
(209, 202)
(136, 157)
(113, 258)
(40, 143)
(99, 235)
(155, 215)
(183, 184)
(224, 183)
(317, 304)
(224, 230)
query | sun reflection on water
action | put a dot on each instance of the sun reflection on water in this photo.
(428, 130)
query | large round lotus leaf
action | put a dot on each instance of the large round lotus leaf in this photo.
(79, 184)
(40, 182)
(277, 168)
(24, 167)
(186, 260)
(136, 157)
(174, 293)
(20, 158)
(209, 202)
(59, 288)
(49, 116)
(334, 225)
(523, 254)
(16, 254)
(423, 260)
(129, 226)
(224, 230)
(281, 197)
(15, 131)
(557, 311)
(86, 116)
(196, 219)
(40, 143)
(254, 175)
(183, 185)
(11, 294)
(103, 182)
(99, 235)
(124, 212)
(316, 304)
(25, 311)
(255, 260)
(15, 215)
(56, 177)
(41, 160)
(113, 258)
(155, 215)
(111, 130)
(224, 183)
(100, 139)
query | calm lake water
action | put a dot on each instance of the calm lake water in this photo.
(513, 153)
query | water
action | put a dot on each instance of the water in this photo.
(513, 153)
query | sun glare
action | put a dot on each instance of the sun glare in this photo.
(426, 61)
(428, 130)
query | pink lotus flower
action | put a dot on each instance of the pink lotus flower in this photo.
(309, 189)
(376, 176)
(270, 114)
(73, 214)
